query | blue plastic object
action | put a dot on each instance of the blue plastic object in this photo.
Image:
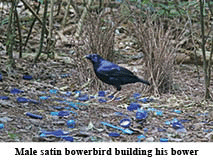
(141, 114)
(22, 100)
(102, 100)
(158, 113)
(33, 101)
(71, 123)
(125, 122)
(84, 97)
(167, 122)
(54, 113)
(164, 139)
(141, 136)
(27, 77)
(144, 100)
(101, 94)
(53, 91)
(63, 113)
(44, 97)
(1, 126)
(133, 106)
(16, 91)
(126, 131)
(68, 138)
(34, 115)
(4, 98)
(114, 134)
(57, 133)
(177, 125)
(136, 95)
(0, 77)
(177, 111)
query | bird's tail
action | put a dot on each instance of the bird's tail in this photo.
(144, 81)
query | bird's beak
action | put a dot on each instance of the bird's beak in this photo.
(84, 57)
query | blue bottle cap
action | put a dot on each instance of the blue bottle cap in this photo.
(125, 122)
(71, 123)
(1, 126)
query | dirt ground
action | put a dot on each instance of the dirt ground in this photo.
(56, 96)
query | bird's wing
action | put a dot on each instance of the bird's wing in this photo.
(112, 70)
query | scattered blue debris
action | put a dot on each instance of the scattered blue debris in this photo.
(63, 113)
(68, 138)
(167, 122)
(66, 75)
(58, 107)
(4, 98)
(16, 91)
(202, 114)
(184, 120)
(53, 91)
(140, 137)
(102, 100)
(133, 106)
(161, 130)
(145, 129)
(101, 94)
(71, 123)
(44, 97)
(117, 98)
(120, 114)
(141, 115)
(126, 131)
(91, 97)
(1, 126)
(54, 113)
(159, 113)
(177, 125)
(77, 92)
(34, 115)
(111, 96)
(68, 94)
(22, 100)
(164, 139)
(125, 122)
(177, 111)
(144, 100)
(27, 77)
(136, 95)
(84, 97)
(114, 134)
(57, 133)
(33, 101)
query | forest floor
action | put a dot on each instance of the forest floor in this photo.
(68, 112)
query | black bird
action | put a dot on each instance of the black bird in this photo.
(111, 73)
